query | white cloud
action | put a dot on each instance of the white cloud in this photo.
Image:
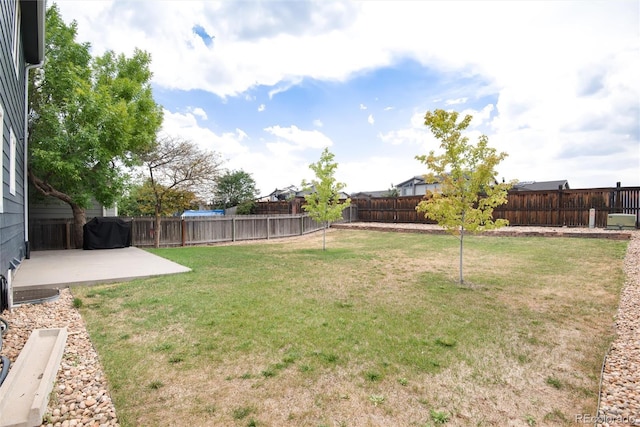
(273, 164)
(417, 120)
(270, 55)
(390, 169)
(284, 86)
(299, 139)
(262, 107)
(456, 101)
(363, 107)
(370, 119)
(318, 123)
(197, 111)
(563, 74)
(409, 136)
(388, 108)
(186, 126)
(479, 117)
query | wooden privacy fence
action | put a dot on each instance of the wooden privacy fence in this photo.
(45, 234)
(390, 209)
(557, 208)
(569, 208)
(203, 230)
(175, 231)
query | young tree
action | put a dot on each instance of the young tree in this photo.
(323, 203)
(466, 173)
(178, 165)
(392, 191)
(234, 188)
(89, 118)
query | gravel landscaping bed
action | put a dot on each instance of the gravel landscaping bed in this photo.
(620, 393)
(80, 396)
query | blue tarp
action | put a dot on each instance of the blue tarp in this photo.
(192, 213)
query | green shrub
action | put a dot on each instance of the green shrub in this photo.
(247, 208)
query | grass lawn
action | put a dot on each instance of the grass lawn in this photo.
(374, 331)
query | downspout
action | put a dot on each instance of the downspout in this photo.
(25, 190)
(41, 10)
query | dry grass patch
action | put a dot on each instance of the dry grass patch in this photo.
(374, 331)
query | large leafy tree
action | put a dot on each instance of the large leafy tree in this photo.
(89, 119)
(323, 201)
(234, 188)
(175, 166)
(466, 173)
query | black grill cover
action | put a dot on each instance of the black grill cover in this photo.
(106, 233)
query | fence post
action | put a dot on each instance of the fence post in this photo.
(233, 229)
(301, 225)
(184, 232)
(133, 233)
(560, 212)
(618, 201)
(395, 208)
(67, 229)
(267, 228)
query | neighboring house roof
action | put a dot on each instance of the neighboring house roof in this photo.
(370, 194)
(291, 192)
(416, 180)
(302, 193)
(282, 194)
(416, 186)
(33, 18)
(541, 186)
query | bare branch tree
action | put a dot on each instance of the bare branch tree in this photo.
(179, 164)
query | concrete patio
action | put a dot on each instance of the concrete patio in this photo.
(64, 268)
(27, 387)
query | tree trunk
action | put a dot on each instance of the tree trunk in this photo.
(156, 231)
(79, 220)
(461, 246)
(324, 236)
(79, 215)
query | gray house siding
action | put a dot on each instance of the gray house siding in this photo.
(29, 43)
(12, 103)
(415, 186)
(52, 208)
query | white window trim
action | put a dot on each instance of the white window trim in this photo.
(1, 159)
(12, 162)
(16, 37)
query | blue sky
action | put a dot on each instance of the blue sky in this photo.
(270, 84)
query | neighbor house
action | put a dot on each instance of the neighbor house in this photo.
(373, 194)
(416, 186)
(276, 195)
(302, 193)
(541, 185)
(22, 48)
(290, 193)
